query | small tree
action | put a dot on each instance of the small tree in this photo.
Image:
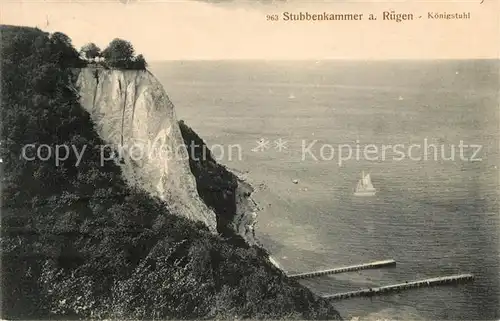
(119, 53)
(91, 50)
(140, 63)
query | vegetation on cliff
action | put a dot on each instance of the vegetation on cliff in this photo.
(119, 54)
(78, 242)
(215, 184)
(90, 51)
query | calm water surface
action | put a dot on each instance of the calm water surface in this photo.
(434, 217)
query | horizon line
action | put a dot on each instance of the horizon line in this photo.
(322, 59)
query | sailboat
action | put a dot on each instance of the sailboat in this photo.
(365, 186)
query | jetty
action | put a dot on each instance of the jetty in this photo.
(402, 286)
(351, 268)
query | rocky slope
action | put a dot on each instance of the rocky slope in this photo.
(223, 190)
(133, 114)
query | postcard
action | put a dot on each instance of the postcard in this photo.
(235, 159)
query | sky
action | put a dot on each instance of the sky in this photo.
(201, 30)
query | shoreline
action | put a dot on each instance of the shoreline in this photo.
(247, 210)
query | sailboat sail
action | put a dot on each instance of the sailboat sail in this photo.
(367, 182)
(365, 186)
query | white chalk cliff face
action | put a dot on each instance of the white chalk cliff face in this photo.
(134, 115)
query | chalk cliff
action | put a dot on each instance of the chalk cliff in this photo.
(134, 115)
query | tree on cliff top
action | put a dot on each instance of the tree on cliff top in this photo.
(120, 54)
(91, 50)
(140, 62)
(119, 50)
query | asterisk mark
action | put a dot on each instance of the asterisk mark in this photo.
(280, 144)
(262, 145)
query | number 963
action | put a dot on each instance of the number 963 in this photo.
(272, 17)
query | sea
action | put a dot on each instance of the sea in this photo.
(302, 132)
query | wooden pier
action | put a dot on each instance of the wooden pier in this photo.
(357, 267)
(402, 286)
